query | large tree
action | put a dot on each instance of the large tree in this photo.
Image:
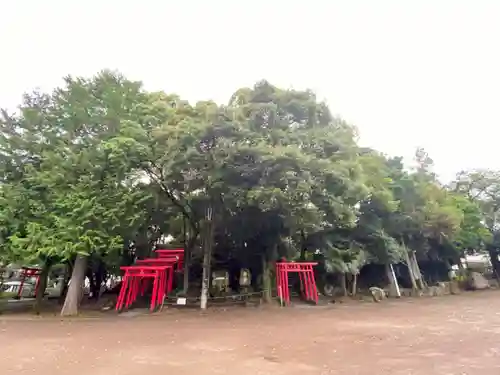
(482, 187)
(67, 182)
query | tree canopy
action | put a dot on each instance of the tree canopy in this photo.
(101, 165)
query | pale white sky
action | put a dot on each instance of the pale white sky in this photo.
(407, 73)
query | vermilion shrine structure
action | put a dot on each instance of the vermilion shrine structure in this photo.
(27, 272)
(160, 271)
(306, 276)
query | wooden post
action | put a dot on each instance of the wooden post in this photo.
(418, 274)
(393, 281)
(410, 269)
(207, 257)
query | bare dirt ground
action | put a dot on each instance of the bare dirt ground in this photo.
(450, 335)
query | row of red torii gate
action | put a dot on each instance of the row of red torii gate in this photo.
(159, 272)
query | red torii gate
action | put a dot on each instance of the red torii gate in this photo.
(306, 275)
(29, 272)
(172, 253)
(160, 270)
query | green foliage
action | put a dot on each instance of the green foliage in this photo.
(481, 209)
(100, 162)
(66, 178)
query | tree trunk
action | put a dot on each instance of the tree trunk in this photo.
(67, 276)
(393, 282)
(207, 258)
(41, 286)
(266, 279)
(92, 283)
(205, 284)
(96, 272)
(185, 276)
(343, 284)
(100, 279)
(410, 270)
(64, 289)
(188, 250)
(418, 274)
(303, 246)
(73, 297)
(354, 284)
(495, 263)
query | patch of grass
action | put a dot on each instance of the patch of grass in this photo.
(7, 295)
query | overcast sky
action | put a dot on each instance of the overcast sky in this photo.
(406, 73)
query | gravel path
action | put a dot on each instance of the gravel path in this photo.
(430, 336)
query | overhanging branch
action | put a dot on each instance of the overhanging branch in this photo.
(175, 201)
